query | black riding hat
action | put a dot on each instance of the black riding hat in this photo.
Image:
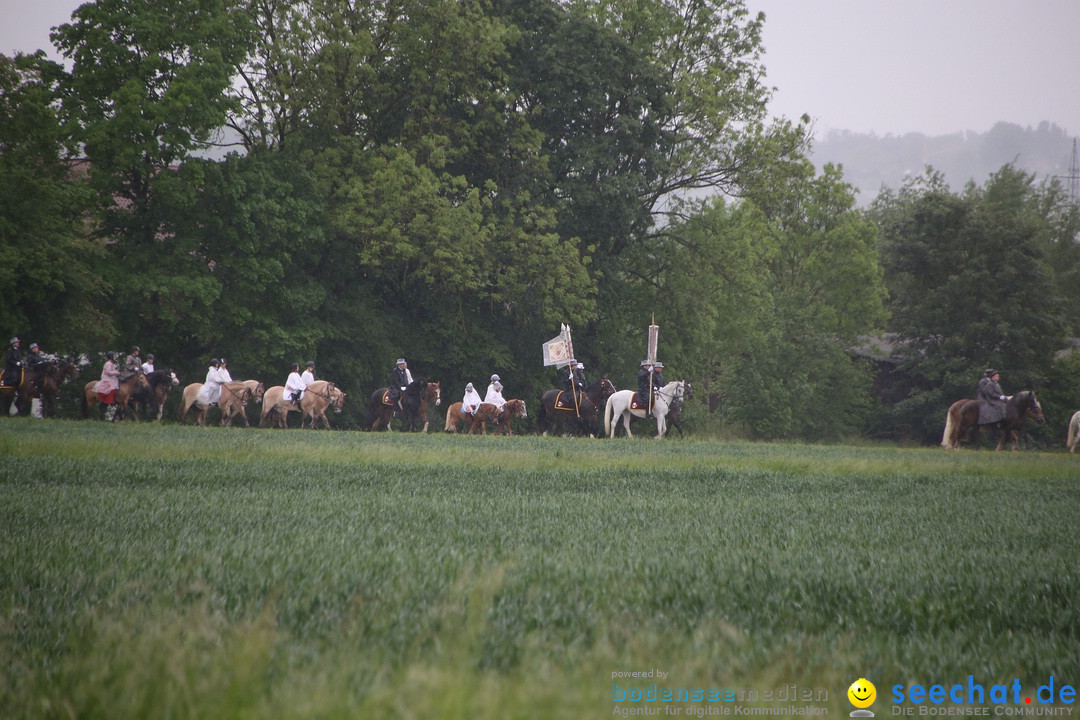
(990, 372)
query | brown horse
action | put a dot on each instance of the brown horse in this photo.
(500, 418)
(24, 390)
(454, 418)
(414, 403)
(153, 398)
(318, 396)
(962, 421)
(557, 406)
(123, 394)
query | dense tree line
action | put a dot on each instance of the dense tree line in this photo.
(450, 181)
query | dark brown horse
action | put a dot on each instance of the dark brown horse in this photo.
(962, 422)
(123, 395)
(24, 389)
(153, 397)
(558, 407)
(414, 403)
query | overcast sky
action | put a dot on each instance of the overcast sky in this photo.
(882, 66)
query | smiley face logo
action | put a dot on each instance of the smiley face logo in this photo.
(862, 693)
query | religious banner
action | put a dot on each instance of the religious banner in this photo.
(558, 350)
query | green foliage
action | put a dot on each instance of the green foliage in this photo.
(48, 276)
(200, 572)
(972, 286)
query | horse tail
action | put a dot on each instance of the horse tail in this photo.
(448, 425)
(950, 428)
(607, 416)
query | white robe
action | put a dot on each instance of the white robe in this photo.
(470, 402)
(308, 377)
(294, 384)
(210, 392)
(494, 397)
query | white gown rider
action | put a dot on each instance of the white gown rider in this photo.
(294, 386)
(494, 393)
(471, 401)
(216, 376)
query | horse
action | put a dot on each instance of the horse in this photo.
(123, 394)
(962, 420)
(414, 403)
(583, 416)
(500, 417)
(59, 373)
(1074, 432)
(619, 406)
(275, 409)
(675, 409)
(318, 396)
(454, 418)
(234, 396)
(24, 390)
(160, 382)
(233, 401)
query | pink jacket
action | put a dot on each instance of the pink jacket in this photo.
(109, 374)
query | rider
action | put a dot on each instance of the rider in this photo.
(645, 387)
(471, 401)
(210, 392)
(148, 366)
(991, 399)
(400, 378)
(494, 394)
(294, 386)
(658, 376)
(308, 376)
(36, 357)
(133, 364)
(13, 363)
(109, 382)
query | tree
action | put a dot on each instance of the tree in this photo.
(48, 276)
(970, 287)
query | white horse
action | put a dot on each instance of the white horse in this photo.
(619, 405)
(1074, 432)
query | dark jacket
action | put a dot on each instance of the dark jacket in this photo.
(643, 385)
(991, 406)
(12, 362)
(397, 381)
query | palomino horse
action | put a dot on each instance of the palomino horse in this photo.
(153, 398)
(123, 394)
(1074, 432)
(234, 401)
(962, 421)
(414, 402)
(234, 397)
(558, 405)
(318, 396)
(619, 406)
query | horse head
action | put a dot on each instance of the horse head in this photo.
(1031, 407)
(517, 407)
(434, 393)
(258, 391)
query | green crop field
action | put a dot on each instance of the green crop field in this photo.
(181, 572)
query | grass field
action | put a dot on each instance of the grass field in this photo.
(181, 572)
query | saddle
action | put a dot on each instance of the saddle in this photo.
(565, 401)
(386, 399)
(4, 378)
(636, 404)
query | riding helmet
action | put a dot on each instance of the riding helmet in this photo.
(658, 365)
(33, 346)
(400, 361)
(495, 378)
(990, 372)
(135, 349)
(310, 363)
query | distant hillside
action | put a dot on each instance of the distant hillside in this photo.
(871, 161)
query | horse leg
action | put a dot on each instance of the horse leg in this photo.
(627, 416)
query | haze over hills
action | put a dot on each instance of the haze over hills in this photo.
(870, 160)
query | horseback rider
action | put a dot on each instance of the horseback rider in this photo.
(491, 389)
(109, 382)
(13, 363)
(645, 387)
(148, 366)
(36, 357)
(494, 393)
(991, 399)
(210, 392)
(308, 376)
(400, 378)
(658, 376)
(133, 364)
(471, 401)
(295, 385)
